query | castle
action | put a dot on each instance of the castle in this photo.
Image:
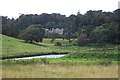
(54, 30)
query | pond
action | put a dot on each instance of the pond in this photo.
(43, 56)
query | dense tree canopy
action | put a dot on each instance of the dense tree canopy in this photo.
(99, 26)
(34, 33)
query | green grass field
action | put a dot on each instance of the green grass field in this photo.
(83, 61)
(13, 47)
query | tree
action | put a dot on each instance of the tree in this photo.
(34, 33)
(4, 25)
(52, 36)
(73, 25)
(50, 25)
(114, 32)
(100, 34)
(82, 39)
(9, 27)
(68, 35)
(116, 15)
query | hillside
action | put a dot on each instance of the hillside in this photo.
(13, 47)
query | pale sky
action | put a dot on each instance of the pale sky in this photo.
(13, 8)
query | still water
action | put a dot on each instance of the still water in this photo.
(43, 56)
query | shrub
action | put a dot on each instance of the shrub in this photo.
(44, 60)
(74, 43)
(105, 63)
(58, 44)
(82, 40)
(119, 47)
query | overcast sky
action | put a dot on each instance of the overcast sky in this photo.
(13, 8)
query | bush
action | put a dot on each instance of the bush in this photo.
(44, 60)
(105, 63)
(74, 43)
(118, 47)
(58, 44)
(82, 40)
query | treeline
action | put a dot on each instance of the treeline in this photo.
(93, 26)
